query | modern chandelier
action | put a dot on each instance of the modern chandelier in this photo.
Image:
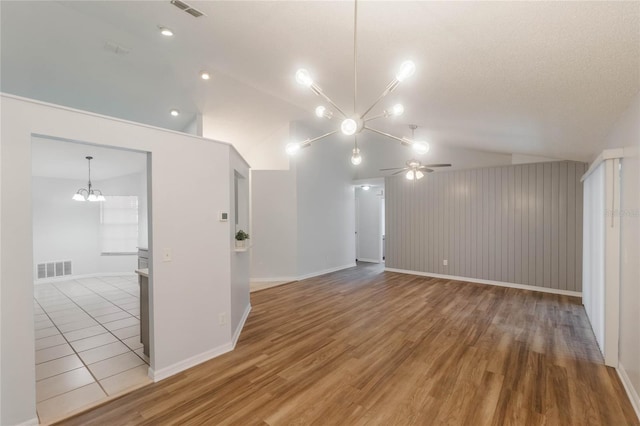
(355, 124)
(88, 193)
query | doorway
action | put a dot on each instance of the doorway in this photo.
(90, 227)
(369, 208)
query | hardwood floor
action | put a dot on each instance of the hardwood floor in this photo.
(366, 347)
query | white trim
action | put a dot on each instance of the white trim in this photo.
(612, 264)
(489, 282)
(163, 373)
(273, 279)
(119, 120)
(628, 386)
(78, 277)
(176, 368)
(368, 260)
(326, 271)
(31, 422)
(607, 154)
(236, 334)
(304, 277)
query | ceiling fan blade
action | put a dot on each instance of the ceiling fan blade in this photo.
(437, 165)
(398, 172)
(426, 169)
(392, 168)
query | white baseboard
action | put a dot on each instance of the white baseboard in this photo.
(236, 334)
(628, 386)
(488, 282)
(273, 279)
(81, 276)
(31, 422)
(305, 276)
(326, 271)
(362, 259)
(176, 368)
(163, 373)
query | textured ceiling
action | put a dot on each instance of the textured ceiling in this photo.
(542, 78)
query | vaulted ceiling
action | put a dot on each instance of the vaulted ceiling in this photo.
(542, 78)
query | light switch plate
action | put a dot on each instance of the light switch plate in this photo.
(166, 255)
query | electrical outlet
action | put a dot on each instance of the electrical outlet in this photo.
(222, 318)
(445, 262)
(166, 255)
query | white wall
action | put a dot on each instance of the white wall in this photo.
(369, 220)
(303, 219)
(274, 225)
(626, 134)
(187, 293)
(326, 204)
(64, 229)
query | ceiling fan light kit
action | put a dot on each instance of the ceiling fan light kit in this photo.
(353, 125)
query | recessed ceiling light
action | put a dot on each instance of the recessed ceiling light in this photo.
(165, 31)
(205, 75)
(175, 112)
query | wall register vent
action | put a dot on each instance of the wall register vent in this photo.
(53, 269)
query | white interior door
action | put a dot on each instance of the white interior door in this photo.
(369, 225)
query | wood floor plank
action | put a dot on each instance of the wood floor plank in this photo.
(368, 347)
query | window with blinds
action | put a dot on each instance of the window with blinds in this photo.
(119, 224)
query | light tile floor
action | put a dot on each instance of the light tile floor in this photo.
(87, 343)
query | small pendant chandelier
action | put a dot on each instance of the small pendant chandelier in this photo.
(88, 193)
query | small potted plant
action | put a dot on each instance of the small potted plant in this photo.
(241, 239)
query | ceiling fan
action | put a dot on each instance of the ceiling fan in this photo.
(415, 169)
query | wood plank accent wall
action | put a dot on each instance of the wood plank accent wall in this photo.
(518, 224)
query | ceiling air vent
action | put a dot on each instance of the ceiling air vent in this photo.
(187, 8)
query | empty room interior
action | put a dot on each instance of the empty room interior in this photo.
(319, 213)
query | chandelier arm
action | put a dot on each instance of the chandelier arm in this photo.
(375, 117)
(309, 141)
(318, 91)
(390, 88)
(401, 140)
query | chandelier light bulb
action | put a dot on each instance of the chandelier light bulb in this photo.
(349, 126)
(78, 197)
(410, 175)
(320, 111)
(407, 69)
(420, 147)
(397, 110)
(419, 174)
(292, 148)
(356, 158)
(303, 77)
(92, 197)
